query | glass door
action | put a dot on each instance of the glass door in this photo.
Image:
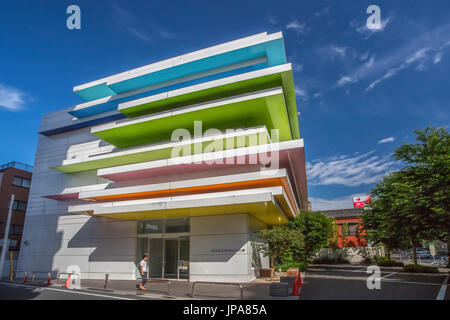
(170, 258)
(183, 261)
(167, 258)
(156, 256)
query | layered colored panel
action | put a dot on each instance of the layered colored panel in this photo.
(73, 193)
(241, 138)
(270, 205)
(266, 108)
(98, 106)
(288, 155)
(275, 178)
(237, 51)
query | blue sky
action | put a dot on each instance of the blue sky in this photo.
(360, 93)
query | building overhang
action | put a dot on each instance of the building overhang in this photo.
(266, 108)
(269, 205)
(243, 137)
(289, 155)
(260, 45)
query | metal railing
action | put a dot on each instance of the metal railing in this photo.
(153, 280)
(241, 287)
(17, 165)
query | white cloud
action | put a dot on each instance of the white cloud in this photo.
(390, 139)
(271, 18)
(364, 56)
(317, 94)
(344, 80)
(297, 67)
(144, 30)
(319, 204)
(11, 98)
(323, 12)
(335, 50)
(418, 56)
(298, 27)
(366, 32)
(349, 170)
(437, 58)
(301, 93)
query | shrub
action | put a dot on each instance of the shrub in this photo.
(384, 262)
(301, 265)
(328, 260)
(417, 268)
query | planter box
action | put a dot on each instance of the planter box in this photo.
(265, 273)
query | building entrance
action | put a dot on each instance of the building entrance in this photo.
(168, 252)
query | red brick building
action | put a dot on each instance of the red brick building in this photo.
(15, 178)
(349, 229)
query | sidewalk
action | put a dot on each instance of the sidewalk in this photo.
(257, 290)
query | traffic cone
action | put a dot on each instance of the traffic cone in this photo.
(49, 280)
(26, 277)
(295, 291)
(67, 284)
(299, 280)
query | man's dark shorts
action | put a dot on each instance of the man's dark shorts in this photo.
(144, 278)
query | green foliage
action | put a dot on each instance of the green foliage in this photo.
(302, 266)
(281, 241)
(316, 229)
(340, 259)
(417, 268)
(413, 203)
(385, 262)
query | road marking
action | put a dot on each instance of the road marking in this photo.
(398, 281)
(441, 294)
(388, 275)
(69, 291)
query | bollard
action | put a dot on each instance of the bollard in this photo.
(106, 279)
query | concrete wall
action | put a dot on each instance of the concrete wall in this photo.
(57, 240)
(221, 248)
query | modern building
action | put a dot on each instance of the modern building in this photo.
(349, 228)
(183, 159)
(15, 178)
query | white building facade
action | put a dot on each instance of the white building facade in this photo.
(183, 160)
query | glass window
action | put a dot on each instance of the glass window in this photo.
(19, 205)
(353, 229)
(150, 226)
(17, 181)
(16, 230)
(177, 225)
(21, 182)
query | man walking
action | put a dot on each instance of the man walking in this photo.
(143, 270)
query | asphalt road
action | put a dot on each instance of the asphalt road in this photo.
(350, 283)
(322, 283)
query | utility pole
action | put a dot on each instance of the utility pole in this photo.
(5, 245)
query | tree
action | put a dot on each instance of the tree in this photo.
(413, 203)
(382, 220)
(316, 229)
(428, 163)
(280, 241)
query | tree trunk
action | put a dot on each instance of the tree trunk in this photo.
(414, 252)
(272, 270)
(448, 251)
(389, 254)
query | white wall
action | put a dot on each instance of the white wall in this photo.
(56, 239)
(220, 248)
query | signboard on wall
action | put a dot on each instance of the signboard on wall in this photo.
(360, 201)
